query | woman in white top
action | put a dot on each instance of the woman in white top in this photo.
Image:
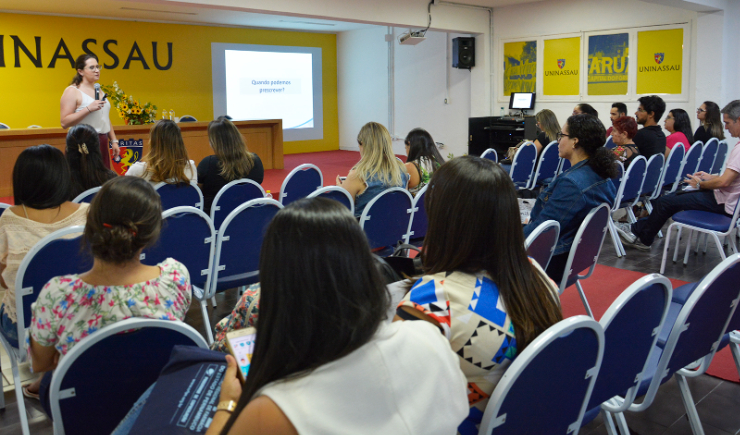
(167, 159)
(79, 106)
(325, 361)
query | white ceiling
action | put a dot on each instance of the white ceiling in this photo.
(158, 11)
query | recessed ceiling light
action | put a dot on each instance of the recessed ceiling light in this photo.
(307, 22)
(163, 12)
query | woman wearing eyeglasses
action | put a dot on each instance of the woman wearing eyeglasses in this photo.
(79, 106)
(711, 122)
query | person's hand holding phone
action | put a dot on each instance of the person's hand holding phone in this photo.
(231, 388)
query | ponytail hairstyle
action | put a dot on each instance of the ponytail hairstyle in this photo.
(587, 109)
(422, 146)
(80, 64)
(590, 133)
(234, 158)
(124, 217)
(84, 159)
(713, 121)
(682, 123)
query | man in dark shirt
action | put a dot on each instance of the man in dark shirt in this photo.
(650, 139)
(617, 111)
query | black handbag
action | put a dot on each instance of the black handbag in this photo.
(404, 266)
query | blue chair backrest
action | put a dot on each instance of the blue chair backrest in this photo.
(100, 378)
(584, 252)
(176, 195)
(541, 242)
(419, 221)
(564, 165)
(188, 118)
(490, 154)
(300, 183)
(631, 186)
(691, 160)
(386, 218)
(337, 194)
(54, 255)
(239, 242)
(719, 161)
(87, 196)
(708, 154)
(188, 236)
(617, 181)
(232, 196)
(674, 163)
(653, 174)
(548, 164)
(609, 144)
(522, 167)
(561, 364)
(3, 206)
(631, 326)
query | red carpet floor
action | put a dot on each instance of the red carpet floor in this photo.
(606, 284)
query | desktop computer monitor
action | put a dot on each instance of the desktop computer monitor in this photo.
(522, 101)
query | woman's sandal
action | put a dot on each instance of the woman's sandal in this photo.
(29, 394)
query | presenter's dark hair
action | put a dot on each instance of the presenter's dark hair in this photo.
(80, 64)
(322, 297)
(588, 109)
(460, 237)
(84, 159)
(590, 133)
(421, 145)
(41, 178)
(621, 107)
(682, 123)
(713, 120)
(124, 217)
(653, 103)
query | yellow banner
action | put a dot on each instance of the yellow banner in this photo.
(520, 67)
(562, 62)
(659, 61)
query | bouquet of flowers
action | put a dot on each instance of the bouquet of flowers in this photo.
(129, 109)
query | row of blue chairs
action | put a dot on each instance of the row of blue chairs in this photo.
(527, 171)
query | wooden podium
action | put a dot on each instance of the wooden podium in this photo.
(264, 138)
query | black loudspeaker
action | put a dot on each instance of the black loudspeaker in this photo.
(463, 53)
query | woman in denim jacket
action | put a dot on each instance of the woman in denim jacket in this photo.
(575, 192)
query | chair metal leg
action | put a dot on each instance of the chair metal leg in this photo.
(678, 241)
(688, 403)
(719, 245)
(622, 423)
(735, 350)
(616, 240)
(583, 299)
(206, 322)
(688, 246)
(213, 302)
(609, 423)
(666, 245)
(19, 396)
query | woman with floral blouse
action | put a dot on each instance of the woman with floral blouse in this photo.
(124, 218)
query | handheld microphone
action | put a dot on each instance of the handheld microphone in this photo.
(97, 91)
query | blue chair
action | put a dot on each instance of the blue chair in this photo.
(672, 175)
(522, 166)
(238, 244)
(541, 242)
(708, 155)
(651, 187)
(232, 196)
(628, 194)
(101, 377)
(189, 237)
(188, 118)
(301, 182)
(692, 158)
(3, 206)
(87, 196)
(584, 252)
(181, 194)
(419, 220)
(547, 167)
(4, 126)
(691, 336)
(387, 217)
(490, 154)
(609, 144)
(721, 159)
(57, 254)
(630, 333)
(564, 165)
(337, 194)
(703, 222)
(547, 386)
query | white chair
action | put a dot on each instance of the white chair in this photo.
(4, 126)
(87, 195)
(188, 118)
(627, 196)
(336, 193)
(34, 126)
(541, 242)
(181, 194)
(490, 154)
(300, 182)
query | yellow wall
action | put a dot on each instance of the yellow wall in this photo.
(30, 95)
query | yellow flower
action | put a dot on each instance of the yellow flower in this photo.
(124, 107)
(148, 110)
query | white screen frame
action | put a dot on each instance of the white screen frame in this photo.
(218, 63)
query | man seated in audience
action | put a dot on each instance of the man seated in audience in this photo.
(713, 193)
(617, 111)
(650, 139)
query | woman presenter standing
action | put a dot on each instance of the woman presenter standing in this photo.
(79, 105)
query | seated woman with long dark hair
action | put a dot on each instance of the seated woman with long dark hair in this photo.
(84, 159)
(575, 192)
(480, 288)
(423, 158)
(325, 361)
(678, 125)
